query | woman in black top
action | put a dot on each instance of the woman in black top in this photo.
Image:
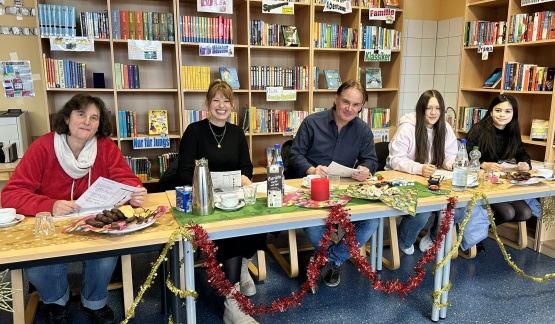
(498, 137)
(225, 147)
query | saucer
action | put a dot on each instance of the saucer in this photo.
(18, 218)
(305, 184)
(222, 207)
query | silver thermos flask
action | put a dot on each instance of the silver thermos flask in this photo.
(203, 196)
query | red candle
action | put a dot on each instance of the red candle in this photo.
(320, 189)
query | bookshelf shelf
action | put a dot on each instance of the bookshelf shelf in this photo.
(527, 140)
(487, 3)
(480, 90)
(79, 90)
(141, 90)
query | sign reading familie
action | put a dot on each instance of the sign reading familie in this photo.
(278, 7)
(386, 14)
(339, 6)
(377, 55)
(140, 143)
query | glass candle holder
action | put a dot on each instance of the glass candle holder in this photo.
(44, 224)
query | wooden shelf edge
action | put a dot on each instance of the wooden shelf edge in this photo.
(489, 3)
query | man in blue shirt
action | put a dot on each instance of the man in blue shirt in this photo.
(337, 135)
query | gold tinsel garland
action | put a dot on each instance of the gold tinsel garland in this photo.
(506, 255)
(6, 293)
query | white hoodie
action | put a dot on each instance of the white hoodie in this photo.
(403, 146)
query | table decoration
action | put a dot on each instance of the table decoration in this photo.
(304, 199)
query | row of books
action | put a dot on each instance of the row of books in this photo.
(127, 76)
(195, 77)
(376, 117)
(375, 37)
(265, 34)
(195, 29)
(127, 123)
(484, 33)
(140, 166)
(532, 27)
(147, 25)
(334, 36)
(56, 20)
(190, 116)
(295, 77)
(64, 73)
(263, 120)
(165, 160)
(468, 116)
(528, 77)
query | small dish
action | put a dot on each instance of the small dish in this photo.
(305, 184)
(222, 207)
(530, 181)
(18, 218)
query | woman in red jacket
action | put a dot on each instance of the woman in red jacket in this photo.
(56, 170)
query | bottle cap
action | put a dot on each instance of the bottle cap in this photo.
(463, 141)
(276, 146)
(475, 147)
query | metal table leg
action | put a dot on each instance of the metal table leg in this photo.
(446, 270)
(380, 245)
(174, 270)
(189, 269)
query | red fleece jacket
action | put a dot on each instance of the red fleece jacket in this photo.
(39, 180)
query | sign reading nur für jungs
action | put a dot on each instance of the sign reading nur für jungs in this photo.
(151, 142)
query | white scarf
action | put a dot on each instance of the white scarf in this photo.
(75, 168)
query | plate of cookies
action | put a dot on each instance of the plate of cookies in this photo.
(120, 220)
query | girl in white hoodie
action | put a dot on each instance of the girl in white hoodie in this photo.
(423, 142)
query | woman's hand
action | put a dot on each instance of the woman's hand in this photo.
(245, 180)
(522, 166)
(138, 197)
(361, 175)
(492, 166)
(64, 207)
(428, 170)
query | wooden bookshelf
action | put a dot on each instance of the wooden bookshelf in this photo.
(532, 104)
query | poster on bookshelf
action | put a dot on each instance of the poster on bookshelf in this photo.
(206, 49)
(17, 79)
(151, 142)
(72, 43)
(280, 94)
(219, 6)
(341, 7)
(145, 50)
(377, 55)
(278, 7)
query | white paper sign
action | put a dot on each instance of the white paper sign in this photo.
(278, 7)
(225, 50)
(279, 94)
(377, 55)
(485, 48)
(140, 143)
(339, 6)
(144, 50)
(219, 6)
(72, 43)
(386, 14)
(228, 179)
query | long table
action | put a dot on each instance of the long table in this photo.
(28, 251)
(315, 217)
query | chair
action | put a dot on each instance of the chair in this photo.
(288, 171)
(513, 234)
(382, 151)
(169, 180)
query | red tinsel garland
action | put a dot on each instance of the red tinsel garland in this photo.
(338, 215)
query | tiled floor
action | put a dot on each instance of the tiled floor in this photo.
(485, 290)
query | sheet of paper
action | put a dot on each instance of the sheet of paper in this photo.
(447, 175)
(102, 194)
(261, 188)
(228, 179)
(341, 170)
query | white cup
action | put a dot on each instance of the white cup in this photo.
(308, 179)
(229, 200)
(546, 173)
(7, 215)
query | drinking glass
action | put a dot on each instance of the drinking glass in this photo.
(487, 179)
(249, 194)
(334, 181)
(44, 224)
(549, 164)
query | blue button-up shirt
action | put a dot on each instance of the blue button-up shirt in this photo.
(318, 142)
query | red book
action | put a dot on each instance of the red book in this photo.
(139, 32)
(125, 73)
(124, 23)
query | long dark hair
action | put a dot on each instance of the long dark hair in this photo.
(352, 84)
(82, 102)
(439, 130)
(511, 130)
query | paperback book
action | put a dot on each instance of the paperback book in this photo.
(333, 80)
(158, 122)
(290, 36)
(229, 75)
(373, 78)
(493, 80)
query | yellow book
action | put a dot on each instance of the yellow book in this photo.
(158, 122)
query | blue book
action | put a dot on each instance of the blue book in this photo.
(229, 75)
(333, 79)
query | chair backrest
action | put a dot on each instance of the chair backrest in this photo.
(382, 151)
(288, 172)
(169, 180)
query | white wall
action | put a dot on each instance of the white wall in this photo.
(431, 60)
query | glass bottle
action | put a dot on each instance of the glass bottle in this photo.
(474, 168)
(460, 168)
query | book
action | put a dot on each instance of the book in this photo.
(290, 36)
(229, 75)
(333, 79)
(539, 130)
(391, 3)
(550, 75)
(493, 80)
(158, 121)
(373, 77)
